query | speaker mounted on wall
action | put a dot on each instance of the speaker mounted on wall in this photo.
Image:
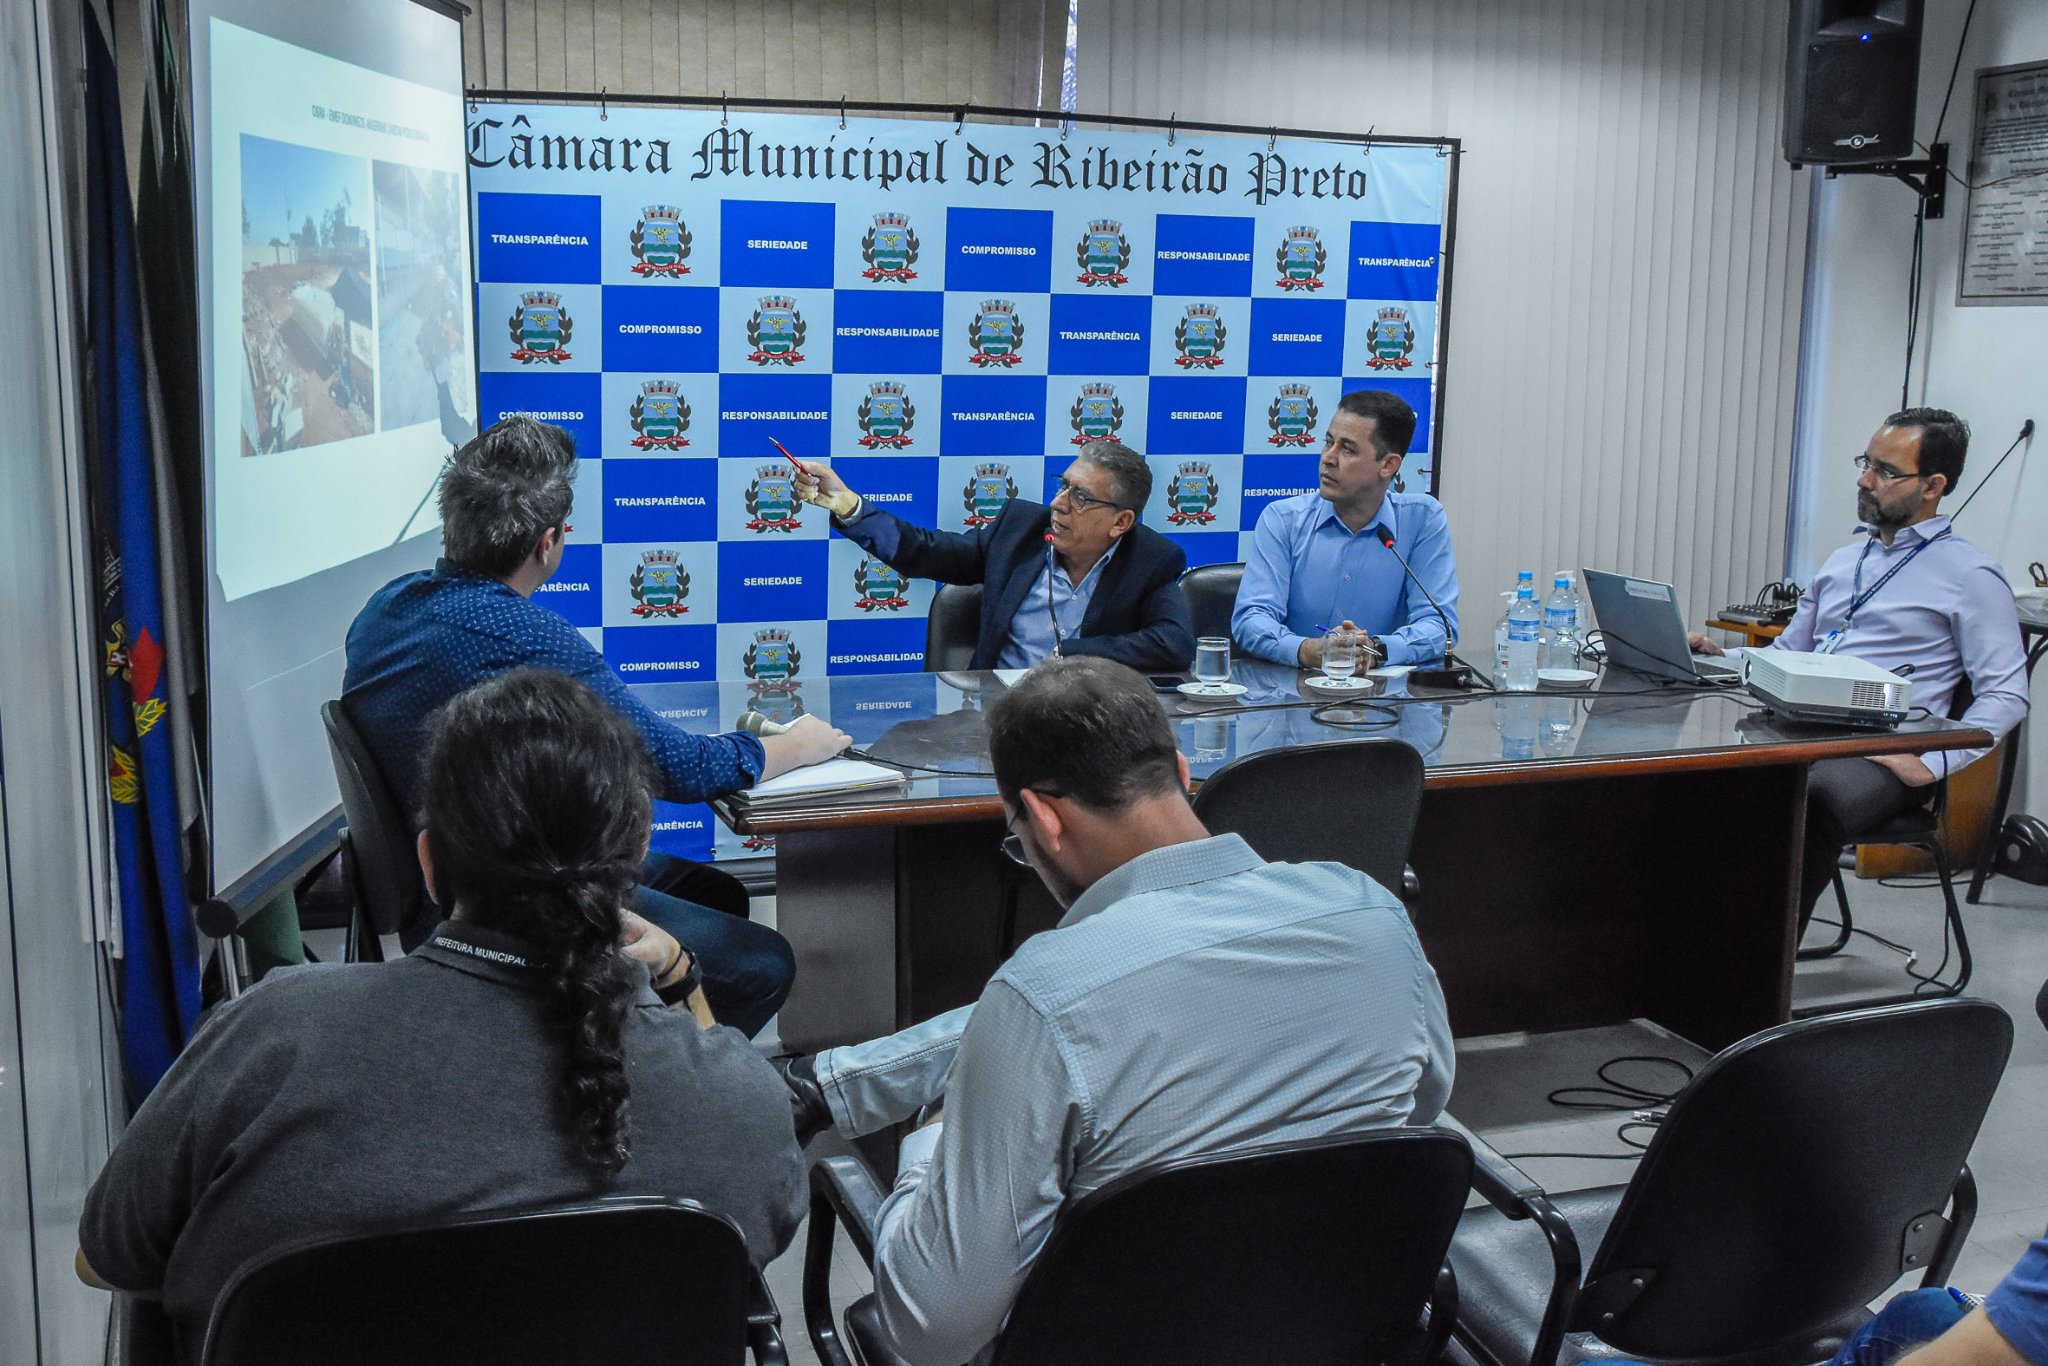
(1852, 75)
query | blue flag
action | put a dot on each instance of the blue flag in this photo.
(159, 982)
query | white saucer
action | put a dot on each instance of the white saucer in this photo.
(1567, 680)
(1213, 689)
(1352, 684)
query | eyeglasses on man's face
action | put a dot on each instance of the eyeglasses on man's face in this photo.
(1013, 843)
(1079, 499)
(1884, 471)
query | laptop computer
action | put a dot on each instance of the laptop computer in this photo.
(1641, 629)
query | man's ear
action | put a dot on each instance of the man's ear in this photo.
(1180, 761)
(1046, 817)
(426, 854)
(1124, 520)
(543, 547)
(1937, 490)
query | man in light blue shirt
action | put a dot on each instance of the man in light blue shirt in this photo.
(1909, 595)
(1193, 999)
(1320, 560)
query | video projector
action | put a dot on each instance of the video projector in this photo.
(1832, 689)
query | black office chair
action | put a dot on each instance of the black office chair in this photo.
(633, 1281)
(377, 849)
(1353, 802)
(953, 628)
(1920, 828)
(1211, 592)
(1799, 1174)
(1329, 1249)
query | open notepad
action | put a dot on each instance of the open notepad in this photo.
(834, 775)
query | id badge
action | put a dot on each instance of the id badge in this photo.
(1830, 642)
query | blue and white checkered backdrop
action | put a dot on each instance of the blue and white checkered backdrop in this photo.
(947, 317)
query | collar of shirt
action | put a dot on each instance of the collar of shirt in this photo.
(1388, 516)
(1176, 865)
(1095, 570)
(445, 568)
(1906, 537)
(499, 957)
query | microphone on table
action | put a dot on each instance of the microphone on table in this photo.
(754, 723)
(1447, 675)
(1054, 616)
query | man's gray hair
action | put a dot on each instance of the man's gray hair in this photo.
(1130, 477)
(502, 490)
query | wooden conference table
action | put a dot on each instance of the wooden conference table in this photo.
(1584, 858)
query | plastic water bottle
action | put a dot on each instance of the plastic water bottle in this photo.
(1560, 625)
(1524, 578)
(1525, 632)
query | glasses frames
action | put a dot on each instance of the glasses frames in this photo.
(1886, 472)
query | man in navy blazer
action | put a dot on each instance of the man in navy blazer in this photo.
(1080, 577)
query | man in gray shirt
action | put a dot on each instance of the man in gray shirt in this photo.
(1193, 999)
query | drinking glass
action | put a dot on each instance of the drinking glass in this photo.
(1212, 662)
(1340, 654)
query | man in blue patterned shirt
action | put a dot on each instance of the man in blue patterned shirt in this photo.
(423, 638)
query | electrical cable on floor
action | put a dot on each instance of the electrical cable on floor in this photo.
(1641, 1101)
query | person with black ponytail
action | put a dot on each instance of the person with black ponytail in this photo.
(544, 1044)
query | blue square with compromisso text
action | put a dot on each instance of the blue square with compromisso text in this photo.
(772, 581)
(1203, 255)
(1100, 335)
(992, 415)
(887, 334)
(661, 654)
(1000, 251)
(1297, 337)
(756, 410)
(660, 328)
(1196, 415)
(571, 402)
(785, 246)
(1395, 260)
(660, 500)
(572, 590)
(539, 239)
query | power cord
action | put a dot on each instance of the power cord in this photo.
(1645, 1104)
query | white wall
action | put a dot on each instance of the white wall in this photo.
(1988, 364)
(1625, 313)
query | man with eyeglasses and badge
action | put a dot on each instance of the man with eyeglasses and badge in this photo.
(1080, 577)
(1909, 595)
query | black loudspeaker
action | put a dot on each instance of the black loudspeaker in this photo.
(1852, 76)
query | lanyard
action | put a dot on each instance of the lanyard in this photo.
(1858, 595)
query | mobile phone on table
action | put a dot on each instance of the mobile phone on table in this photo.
(1166, 682)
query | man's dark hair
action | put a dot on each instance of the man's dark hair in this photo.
(1130, 477)
(1944, 441)
(1087, 728)
(1393, 421)
(502, 490)
(537, 801)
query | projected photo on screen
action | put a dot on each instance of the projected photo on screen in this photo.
(422, 347)
(306, 307)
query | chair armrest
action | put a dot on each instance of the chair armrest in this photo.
(765, 1343)
(843, 1191)
(1515, 1193)
(1506, 1187)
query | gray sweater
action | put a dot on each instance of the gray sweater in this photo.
(330, 1098)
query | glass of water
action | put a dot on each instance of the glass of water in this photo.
(1212, 662)
(1340, 654)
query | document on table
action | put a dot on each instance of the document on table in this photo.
(834, 775)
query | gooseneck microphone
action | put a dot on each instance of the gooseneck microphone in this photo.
(754, 723)
(1448, 675)
(1049, 612)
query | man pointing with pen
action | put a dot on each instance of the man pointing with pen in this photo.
(1079, 577)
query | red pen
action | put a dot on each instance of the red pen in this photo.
(801, 468)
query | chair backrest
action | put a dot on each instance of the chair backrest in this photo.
(1353, 802)
(1211, 591)
(1794, 1178)
(386, 864)
(953, 628)
(627, 1281)
(1323, 1250)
